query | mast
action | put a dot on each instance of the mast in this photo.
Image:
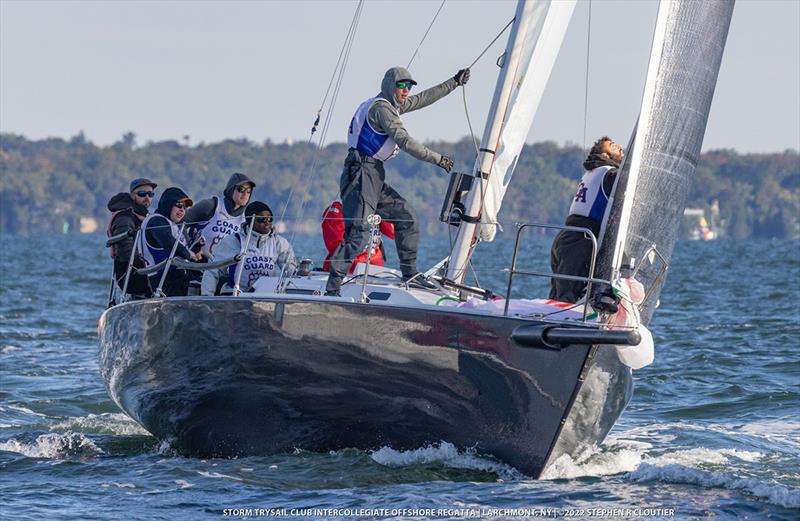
(533, 44)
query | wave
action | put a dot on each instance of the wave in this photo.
(770, 490)
(711, 468)
(53, 446)
(105, 423)
(447, 454)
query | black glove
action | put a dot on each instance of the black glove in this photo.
(462, 77)
(446, 163)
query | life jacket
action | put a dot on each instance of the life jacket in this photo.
(151, 253)
(366, 139)
(259, 260)
(590, 199)
(112, 250)
(333, 235)
(218, 227)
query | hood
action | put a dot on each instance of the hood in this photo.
(236, 179)
(168, 199)
(124, 201)
(596, 161)
(391, 77)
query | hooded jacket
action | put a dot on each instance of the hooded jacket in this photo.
(204, 210)
(385, 116)
(268, 248)
(158, 232)
(225, 222)
(127, 216)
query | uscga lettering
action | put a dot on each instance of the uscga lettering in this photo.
(223, 227)
(260, 263)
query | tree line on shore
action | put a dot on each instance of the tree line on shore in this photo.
(49, 185)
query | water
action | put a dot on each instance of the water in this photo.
(713, 429)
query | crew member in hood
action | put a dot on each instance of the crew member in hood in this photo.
(161, 230)
(377, 134)
(215, 218)
(571, 253)
(267, 254)
(129, 210)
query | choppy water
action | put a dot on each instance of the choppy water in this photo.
(713, 429)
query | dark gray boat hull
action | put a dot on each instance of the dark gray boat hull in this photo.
(251, 376)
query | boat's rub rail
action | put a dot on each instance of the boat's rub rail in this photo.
(555, 337)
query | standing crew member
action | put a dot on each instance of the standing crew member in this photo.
(571, 253)
(217, 217)
(376, 134)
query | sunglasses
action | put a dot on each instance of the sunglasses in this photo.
(146, 194)
(180, 205)
(244, 189)
(404, 85)
(263, 220)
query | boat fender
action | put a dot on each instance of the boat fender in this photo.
(640, 355)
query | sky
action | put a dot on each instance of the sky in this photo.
(259, 69)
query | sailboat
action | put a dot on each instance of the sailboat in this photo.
(524, 380)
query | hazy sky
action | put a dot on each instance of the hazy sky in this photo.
(259, 69)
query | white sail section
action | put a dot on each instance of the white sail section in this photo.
(540, 44)
(533, 44)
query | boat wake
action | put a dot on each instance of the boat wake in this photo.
(53, 446)
(446, 454)
(639, 462)
(105, 423)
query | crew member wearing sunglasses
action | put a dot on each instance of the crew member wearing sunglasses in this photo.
(267, 254)
(377, 134)
(213, 219)
(161, 230)
(129, 210)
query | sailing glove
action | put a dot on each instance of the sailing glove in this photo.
(446, 163)
(462, 77)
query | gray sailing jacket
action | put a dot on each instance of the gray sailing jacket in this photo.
(384, 119)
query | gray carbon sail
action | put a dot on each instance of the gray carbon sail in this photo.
(655, 179)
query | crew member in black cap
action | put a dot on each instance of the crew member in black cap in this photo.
(128, 210)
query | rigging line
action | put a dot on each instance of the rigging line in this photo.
(338, 60)
(476, 233)
(469, 123)
(425, 35)
(492, 42)
(348, 38)
(586, 87)
(326, 126)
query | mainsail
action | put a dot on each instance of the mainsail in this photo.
(531, 50)
(656, 177)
